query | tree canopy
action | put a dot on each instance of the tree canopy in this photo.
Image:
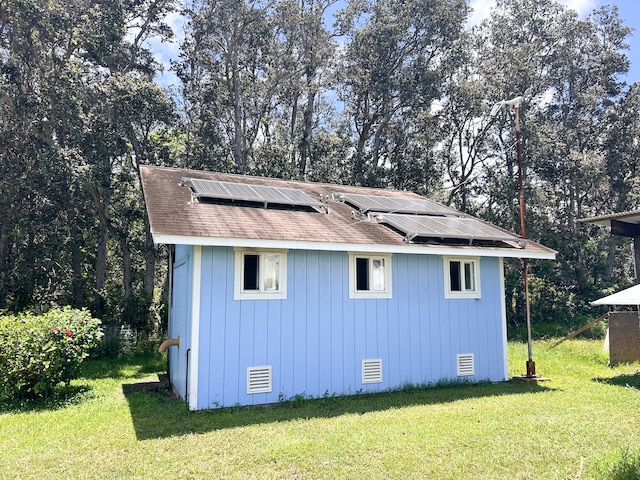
(388, 93)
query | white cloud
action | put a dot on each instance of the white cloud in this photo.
(583, 7)
(165, 51)
(480, 10)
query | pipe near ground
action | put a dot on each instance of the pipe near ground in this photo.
(170, 342)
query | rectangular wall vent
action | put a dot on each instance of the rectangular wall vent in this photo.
(259, 379)
(465, 364)
(372, 371)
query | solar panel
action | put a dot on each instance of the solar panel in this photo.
(249, 193)
(462, 228)
(375, 203)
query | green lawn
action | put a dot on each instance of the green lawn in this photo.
(583, 423)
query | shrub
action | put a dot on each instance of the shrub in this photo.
(37, 352)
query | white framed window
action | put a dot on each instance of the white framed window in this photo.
(461, 277)
(260, 274)
(369, 275)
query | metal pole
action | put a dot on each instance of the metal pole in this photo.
(531, 365)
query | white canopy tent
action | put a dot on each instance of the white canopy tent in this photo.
(629, 296)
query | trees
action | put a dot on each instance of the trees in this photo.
(567, 69)
(39, 120)
(391, 73)
(78, 108)
(253, 78)
(395, 94)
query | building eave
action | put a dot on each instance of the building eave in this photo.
(632, 216)
(415, 249)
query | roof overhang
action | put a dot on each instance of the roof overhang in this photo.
(626, 224)
(419, 249)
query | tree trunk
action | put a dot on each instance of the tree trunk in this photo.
(611, 258)
(377, 138)
(305, 146)
(4, 252)
(101, 203)
(126, 269)
(101, 256)
(76, 267)
(359, 158)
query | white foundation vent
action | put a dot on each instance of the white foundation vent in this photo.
(259, 379)
(465, 364)
(372, 371)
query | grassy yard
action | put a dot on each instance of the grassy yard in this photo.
(583, 423)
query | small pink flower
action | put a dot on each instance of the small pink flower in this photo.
(53, 330)
(67, 332)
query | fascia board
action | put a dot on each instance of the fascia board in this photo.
(353, 247)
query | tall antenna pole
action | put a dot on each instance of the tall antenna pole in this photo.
(531, 365)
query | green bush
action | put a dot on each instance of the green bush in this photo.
(37, 352)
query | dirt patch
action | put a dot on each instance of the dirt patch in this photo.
(162, 384)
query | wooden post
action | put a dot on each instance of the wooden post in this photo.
(632, 230)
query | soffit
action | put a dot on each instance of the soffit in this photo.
(632, 216)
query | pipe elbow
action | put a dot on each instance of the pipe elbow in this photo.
(170, 342)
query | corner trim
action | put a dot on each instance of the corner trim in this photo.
(195, 327)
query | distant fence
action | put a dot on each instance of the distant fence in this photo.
(125, 335)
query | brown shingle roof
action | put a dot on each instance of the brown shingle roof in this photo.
(174, 218)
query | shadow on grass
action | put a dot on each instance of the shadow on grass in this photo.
(157, 413)
(63, 396)
(624, 380)
(122, 367)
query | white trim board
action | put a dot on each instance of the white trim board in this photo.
(195, 328)
(503, 311)
(353, 247)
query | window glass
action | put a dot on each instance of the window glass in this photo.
(362, 274)
(378, 275)
(454, 272)
(251, 272)
(271, 273)
(469, 276)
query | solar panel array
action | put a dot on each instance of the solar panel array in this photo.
(460, 228)
(375, 203)
(250, 193)
(417, 217)
(424, 218)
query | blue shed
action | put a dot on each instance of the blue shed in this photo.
(283, 288)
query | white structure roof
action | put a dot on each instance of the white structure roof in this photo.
(629, 296)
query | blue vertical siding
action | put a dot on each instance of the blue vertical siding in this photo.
(337, 284)
(316, 338)
(315, 354)
(323, 304)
